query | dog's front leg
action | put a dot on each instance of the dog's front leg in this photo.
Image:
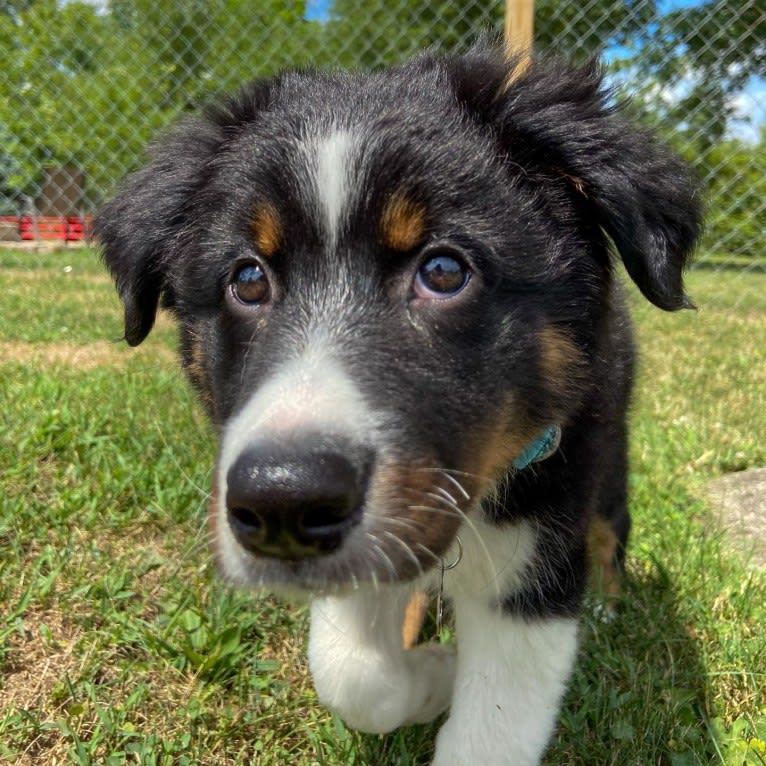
(511, 676)
(361, 670)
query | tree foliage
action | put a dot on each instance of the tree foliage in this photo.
(377, 32)
(87, 85)
(88, 88)
(581, 30)
(715, 49)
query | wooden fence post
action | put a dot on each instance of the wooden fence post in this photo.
(519, 29)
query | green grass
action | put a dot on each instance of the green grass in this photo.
(118, 645)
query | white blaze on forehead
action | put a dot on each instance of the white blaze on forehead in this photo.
(332, 162)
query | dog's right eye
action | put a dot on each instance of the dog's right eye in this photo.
(250, 286)
(441, 276)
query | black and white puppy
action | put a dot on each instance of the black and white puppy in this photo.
(396, 298)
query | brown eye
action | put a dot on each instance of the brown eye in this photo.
(250, 285)
(441, 277)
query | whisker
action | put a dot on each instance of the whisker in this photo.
(429, 552)
(441, 499)
(406, 548)
(444, 493)
(444, 511)
(457, 484)
(471, 525)
(378, 548)
(374, 578)
(455, 472)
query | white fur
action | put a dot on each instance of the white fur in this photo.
(510, 675)
(360, 669)
(494, 560)
(334, 154)
(310, 393)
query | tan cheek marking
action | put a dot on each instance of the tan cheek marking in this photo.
(194, 365)
(558, 352)
(266, 226)
(561, 363)
(501, 441)
(424, 526)
(602, 550)
(403, 223)
(510, 430)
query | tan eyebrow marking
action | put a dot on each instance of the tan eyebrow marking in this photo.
(403, 223)
(266, 226)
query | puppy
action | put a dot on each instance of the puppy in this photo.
(396, 297)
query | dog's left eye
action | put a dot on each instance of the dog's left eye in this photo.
(250, 285)
(441, 276)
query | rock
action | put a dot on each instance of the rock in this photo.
(739, 502)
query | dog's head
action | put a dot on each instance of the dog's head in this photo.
(387, 286)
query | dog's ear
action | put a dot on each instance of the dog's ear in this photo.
(562, 120)
(139, 227)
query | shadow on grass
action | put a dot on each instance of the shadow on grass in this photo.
(639, 691)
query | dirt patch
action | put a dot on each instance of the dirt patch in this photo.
(82, 357)
(40, 654)
(51, 647)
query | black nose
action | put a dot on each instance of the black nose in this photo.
(291, 503)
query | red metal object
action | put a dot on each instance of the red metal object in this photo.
(52, 227)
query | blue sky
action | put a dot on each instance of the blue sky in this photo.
(318, 9)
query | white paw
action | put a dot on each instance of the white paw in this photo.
(434, 672)
(375, 696)
(366, 692)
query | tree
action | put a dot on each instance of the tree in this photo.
(88, 87)
(379, 32)
(576, 30)
(707, 53)
(45, 46)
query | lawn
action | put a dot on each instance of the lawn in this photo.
(118, 644)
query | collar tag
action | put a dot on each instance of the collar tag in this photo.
(540, 449)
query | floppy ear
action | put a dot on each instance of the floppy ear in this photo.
(561, 120)
(139, 227)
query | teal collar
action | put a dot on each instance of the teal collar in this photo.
(540, 449)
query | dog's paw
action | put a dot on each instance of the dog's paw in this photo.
(374, 695)
(370, 693)
(433, 668)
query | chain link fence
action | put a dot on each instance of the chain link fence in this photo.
(85, 85)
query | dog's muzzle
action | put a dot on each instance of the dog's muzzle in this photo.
(296, 500)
